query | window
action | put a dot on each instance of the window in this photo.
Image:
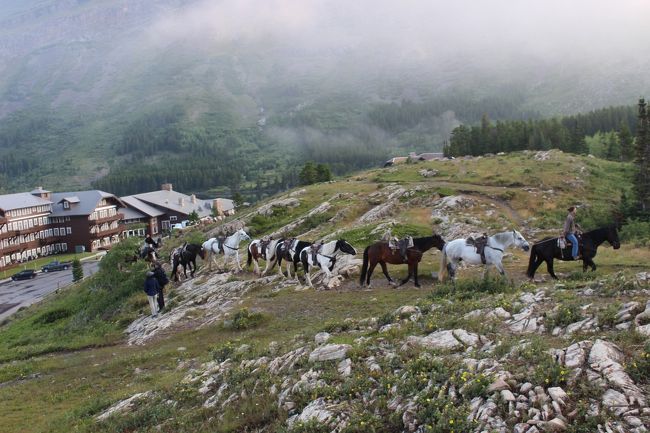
(56, 231)
(69, 230)
(66, 204)
(172, 218)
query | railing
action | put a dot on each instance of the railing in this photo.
(97, 221)
(105, 233)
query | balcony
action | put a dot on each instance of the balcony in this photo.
(13, 248)
(112, 218)
(106, 233)
(9, 234)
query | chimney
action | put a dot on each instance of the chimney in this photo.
(166, 187)
(217, 206)
(193, 198)
(181, 202)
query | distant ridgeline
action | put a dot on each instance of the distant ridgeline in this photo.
(566, 133)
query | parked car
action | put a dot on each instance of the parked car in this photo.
(56, 266)
(26, 274)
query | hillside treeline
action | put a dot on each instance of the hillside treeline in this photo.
(566, 133)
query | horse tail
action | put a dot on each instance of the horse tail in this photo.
(364, 267)
(532, 260)
(250, 256)
(443, 265)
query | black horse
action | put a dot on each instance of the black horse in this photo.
(186, 256)
(547, 249)
(381, 253)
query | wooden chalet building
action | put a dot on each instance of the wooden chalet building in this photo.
(88, 219)
(160, 210)
(25, 231)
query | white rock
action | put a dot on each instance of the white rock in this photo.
(322, 337)
(507, 395)
(615, 401)
(329, 352)
(345, 367)
(124, 405)
(558, 395)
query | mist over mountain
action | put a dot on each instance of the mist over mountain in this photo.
(237, 92)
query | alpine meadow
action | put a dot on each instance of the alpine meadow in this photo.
(318, 216)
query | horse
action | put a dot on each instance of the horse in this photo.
(230, 248)
(547, 249)
(186, 256)
(289, 251)
(380, 252)
(458, 249)
(264, 250)
(325, 258)
(147, 252)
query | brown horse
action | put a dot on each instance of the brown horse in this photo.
(381, 253)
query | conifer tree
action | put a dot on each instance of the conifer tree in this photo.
(642, 160)
(77, 270)
(626, 142)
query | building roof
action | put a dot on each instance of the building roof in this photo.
(85, 203)
(135, 205)
(181, 203)
(21, 200)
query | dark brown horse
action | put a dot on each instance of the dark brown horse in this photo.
(381, 253)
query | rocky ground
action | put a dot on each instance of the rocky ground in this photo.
(559, 357)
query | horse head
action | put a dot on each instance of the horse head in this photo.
(345, 247)
(519, 241)
(242, 235)
(438, 241)
(612, 237)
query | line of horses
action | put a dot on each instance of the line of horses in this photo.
(295, 252)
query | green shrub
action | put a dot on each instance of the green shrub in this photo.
(223, 351)
(549, 373)
(564, 315)
(639, 367)
(52, 316)
(244, 319)
(636, 232)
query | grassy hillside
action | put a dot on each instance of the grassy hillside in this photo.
(67, 360)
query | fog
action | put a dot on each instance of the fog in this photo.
(410, 32)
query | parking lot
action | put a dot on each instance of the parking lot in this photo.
(17, 294)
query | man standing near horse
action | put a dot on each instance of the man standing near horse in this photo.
(152, 288)
(160, 276)
(571, 227)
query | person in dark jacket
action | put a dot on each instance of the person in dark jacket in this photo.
(151, 288)
(161, 277)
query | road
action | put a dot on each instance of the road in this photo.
(17, 294)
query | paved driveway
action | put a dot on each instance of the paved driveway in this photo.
(17, 294)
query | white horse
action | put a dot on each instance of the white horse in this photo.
(266, 252)
(230, 248)
(325, 258)
(458, 249)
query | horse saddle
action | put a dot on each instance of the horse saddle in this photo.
(264, 243)
(220, 242)
(315, 249)
(479, 243)
(400, 244)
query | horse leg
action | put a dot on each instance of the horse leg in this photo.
(588, 262)
(549, 268)
(371, 269)
(536, 264)
(256, 266)
(384, 269)
(415, 274)
(408, 277)
(499, 267)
